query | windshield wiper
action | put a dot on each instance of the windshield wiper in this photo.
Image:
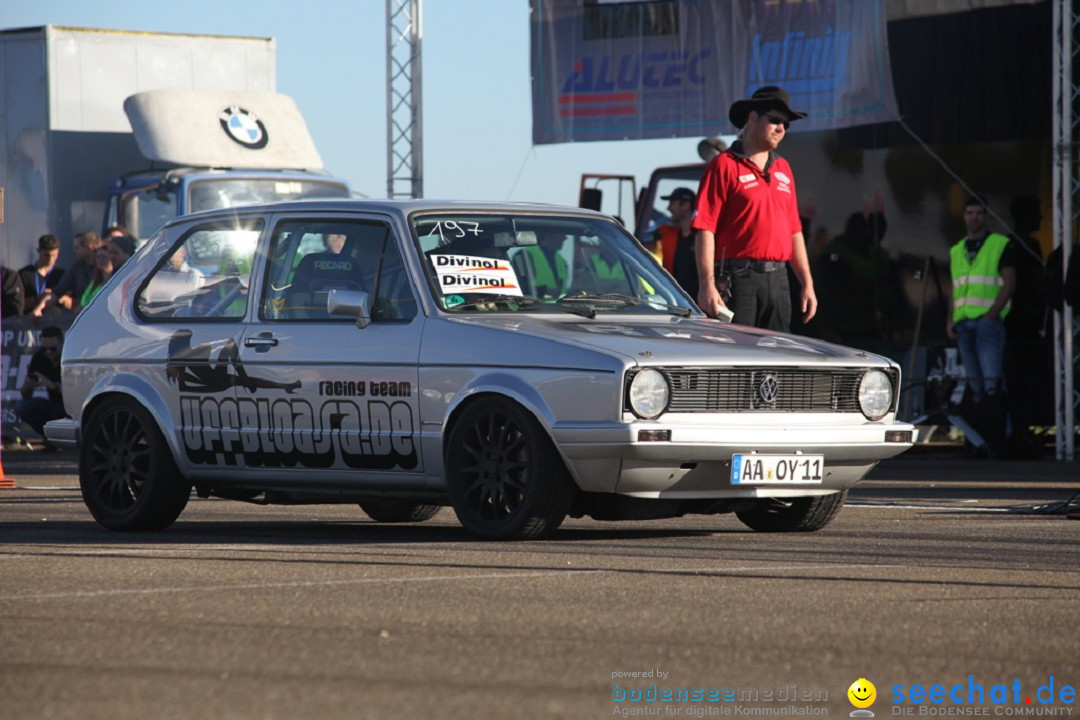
(623, 300)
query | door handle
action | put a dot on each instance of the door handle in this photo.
(261, 343)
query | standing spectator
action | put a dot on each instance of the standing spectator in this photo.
(749, 224)
(121, 247)
(983, 272)
(1028, 363)
(41, 277)
(103, 270)
(13, 293)
(44, 372)
(79, 277)
(676, 240)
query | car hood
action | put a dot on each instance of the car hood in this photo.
(652, 340)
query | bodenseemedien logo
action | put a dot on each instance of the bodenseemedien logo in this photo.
(862, 695)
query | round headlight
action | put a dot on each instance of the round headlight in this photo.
(875, 394)
(649, 393)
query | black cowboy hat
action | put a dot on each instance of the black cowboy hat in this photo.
(769, 97)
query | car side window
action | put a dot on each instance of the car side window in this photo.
(205, 276)
(309, 258)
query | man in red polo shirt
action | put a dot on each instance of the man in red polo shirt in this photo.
(748, 221)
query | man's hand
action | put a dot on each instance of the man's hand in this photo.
(709, 300)
(42, 302)
(950, 330)
(808, 303)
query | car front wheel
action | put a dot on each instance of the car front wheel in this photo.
(128, 477)
(505, 479)
(793, 515)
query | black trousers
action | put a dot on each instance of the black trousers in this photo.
(760, 299)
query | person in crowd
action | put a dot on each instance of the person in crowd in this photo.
(12, 293)
(748, 221)
(103, 270)
(983, 270)
(676, 240)
(41, 277)
(861, 280)
(43, 373)
(78, 277)
(545, 265)
(1028, 363)
(121, 247)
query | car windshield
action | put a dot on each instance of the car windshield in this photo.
(214, 193)
(541, 263)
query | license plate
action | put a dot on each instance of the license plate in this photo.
(783, 469)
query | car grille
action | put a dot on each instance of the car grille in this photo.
(740, 389)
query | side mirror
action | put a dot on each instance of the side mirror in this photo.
(350, 303)
(591, 199)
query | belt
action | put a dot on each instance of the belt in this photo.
(762, 266)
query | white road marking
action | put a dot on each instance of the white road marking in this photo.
(302, 584)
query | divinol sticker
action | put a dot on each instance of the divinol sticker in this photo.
(459, 274)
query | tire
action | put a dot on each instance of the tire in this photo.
(799, 515)
(398, 511)
(504, 476)
(128, 477)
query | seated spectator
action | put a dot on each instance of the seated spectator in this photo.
(69, 290)
(43, 373)
(41, 277)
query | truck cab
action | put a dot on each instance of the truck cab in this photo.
(211, 150)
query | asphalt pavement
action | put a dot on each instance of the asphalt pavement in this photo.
(939, 570)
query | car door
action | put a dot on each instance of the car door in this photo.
(322, 392)
(191, 308)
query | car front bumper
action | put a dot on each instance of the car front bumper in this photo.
(64, 433)
(696, 461)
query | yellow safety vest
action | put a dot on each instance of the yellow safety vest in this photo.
(549, 281)
(976, 284)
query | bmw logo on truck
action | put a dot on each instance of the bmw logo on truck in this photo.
(243, 127)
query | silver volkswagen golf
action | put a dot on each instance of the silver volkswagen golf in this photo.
(517, 362)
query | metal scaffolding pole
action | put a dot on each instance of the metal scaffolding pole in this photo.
(404, 116)
(1066, 186)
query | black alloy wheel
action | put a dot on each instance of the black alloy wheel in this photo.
(505, 479)
(127, 474)
(398, 511)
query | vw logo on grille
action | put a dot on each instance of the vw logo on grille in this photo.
(768, 389)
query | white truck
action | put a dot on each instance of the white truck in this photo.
(209, 132)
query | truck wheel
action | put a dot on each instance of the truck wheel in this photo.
(504, 476)
(798, 515)
(128, 477)
(396, 511)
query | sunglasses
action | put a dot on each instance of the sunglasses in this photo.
(50, 348)
(773, 120)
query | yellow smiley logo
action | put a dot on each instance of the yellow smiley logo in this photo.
(862, 693)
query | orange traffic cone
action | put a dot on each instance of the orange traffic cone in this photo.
(6, 483)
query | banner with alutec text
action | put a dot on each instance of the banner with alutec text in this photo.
(636, 69)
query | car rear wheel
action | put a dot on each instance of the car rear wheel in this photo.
(396, 511)
(128, 477)
(795, 515)
(504, 476)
